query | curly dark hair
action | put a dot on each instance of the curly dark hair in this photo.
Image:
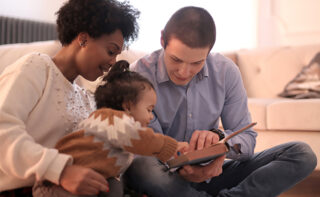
(96, 17)
(121, 86)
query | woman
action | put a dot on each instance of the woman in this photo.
(39, 102)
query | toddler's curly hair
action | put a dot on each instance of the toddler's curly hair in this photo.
(121, 85)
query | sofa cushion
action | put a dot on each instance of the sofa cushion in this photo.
(291, 114)
(266, 71)
(258, 110)
(9, 53)
(307, 83)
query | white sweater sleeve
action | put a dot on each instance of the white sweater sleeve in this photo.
(21, 87)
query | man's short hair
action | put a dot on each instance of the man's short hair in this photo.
(193, 26)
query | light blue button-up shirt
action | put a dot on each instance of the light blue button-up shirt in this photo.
(217, 91)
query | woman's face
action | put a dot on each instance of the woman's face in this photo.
(98, 55)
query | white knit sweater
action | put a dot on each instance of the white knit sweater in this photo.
(38, 106)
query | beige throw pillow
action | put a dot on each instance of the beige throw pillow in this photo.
(307, 83)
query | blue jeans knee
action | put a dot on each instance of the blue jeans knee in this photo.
(306, 158)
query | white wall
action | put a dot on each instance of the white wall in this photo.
(236, 25)
(288, 22)
(40, 10)
(236, 21)
(240, 23)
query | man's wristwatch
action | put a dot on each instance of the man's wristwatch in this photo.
(219, 132)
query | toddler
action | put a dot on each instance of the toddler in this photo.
(108, 139)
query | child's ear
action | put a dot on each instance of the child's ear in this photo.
(126, 107)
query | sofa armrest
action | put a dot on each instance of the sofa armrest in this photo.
(232, 55)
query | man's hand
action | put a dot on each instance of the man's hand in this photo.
(201, 173)
(201, 139)
(82, 181)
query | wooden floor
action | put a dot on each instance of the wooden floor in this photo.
(310, 187)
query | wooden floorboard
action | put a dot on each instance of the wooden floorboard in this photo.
(309, 187)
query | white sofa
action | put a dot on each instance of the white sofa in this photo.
(265, 73)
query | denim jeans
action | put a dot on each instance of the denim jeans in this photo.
(267, 173)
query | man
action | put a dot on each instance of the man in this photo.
(195, 89)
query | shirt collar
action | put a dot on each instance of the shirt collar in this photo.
(162, 75)
(203, 72)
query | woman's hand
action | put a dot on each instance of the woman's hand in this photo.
(82, 181)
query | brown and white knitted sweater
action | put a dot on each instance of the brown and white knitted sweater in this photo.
(108, 139)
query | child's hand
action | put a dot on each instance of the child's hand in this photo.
(182, 148)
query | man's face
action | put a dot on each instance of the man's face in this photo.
(183, 62)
